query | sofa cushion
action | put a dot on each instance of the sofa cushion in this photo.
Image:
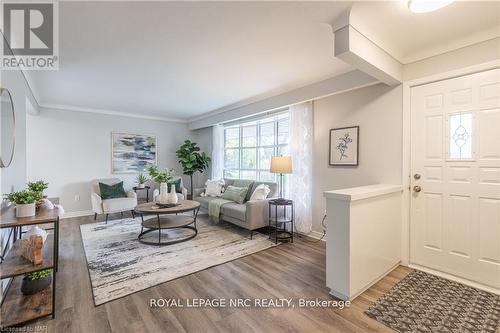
(236, 194)
(234, 210)
(204, 201)
(273, 187)
(118, 204)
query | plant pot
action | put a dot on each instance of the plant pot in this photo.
(141, 186)
(172, 196)
(25, 210)
(30, 287)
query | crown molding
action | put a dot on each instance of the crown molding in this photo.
(110, 112)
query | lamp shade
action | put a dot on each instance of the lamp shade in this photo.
(281, 164)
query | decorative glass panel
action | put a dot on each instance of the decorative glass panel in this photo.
(249, 136)
(232, 137)
(460, 144)
(232, 159)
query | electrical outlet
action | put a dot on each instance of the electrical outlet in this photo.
(77, 197)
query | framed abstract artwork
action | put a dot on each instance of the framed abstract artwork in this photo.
(132, 153)
(344, 146)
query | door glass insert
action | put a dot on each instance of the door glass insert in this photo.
(460, 136)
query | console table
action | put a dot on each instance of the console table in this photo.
(17, 308)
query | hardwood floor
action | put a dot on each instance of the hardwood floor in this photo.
(287, 271)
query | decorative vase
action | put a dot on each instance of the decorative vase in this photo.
(30, 287)
(172, 196)
(141, 185)
(163, 197)
(26, 210)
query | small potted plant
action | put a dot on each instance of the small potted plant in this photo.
(162, 178)
(24, 201)
(38, 187)
(36, 281)
(141, 180)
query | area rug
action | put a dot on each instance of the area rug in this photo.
(423, 302)
(120, 265)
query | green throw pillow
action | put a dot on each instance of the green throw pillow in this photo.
(177, 184)
(112, 191)
(236, 194)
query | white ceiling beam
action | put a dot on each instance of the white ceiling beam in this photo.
(337, 84)
(355, 49)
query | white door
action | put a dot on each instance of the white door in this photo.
(455, 149)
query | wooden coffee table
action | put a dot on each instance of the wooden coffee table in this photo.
(168, 218)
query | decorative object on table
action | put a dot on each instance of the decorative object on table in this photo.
(423, 302)
(46, 204)
(281, 165)
(281, 217)
(38, 187)
(36, 231)
(36, 281)
(162, 178)
(7, 128)
(131, 267)
(111, 205)
(192, 160)
(31, 249)
(344, 146)
(24, 201)
(172, 196)
(132, 153)
(141, 180)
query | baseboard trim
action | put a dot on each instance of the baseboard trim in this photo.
(79, 213)
(313, 234)
(456, 279)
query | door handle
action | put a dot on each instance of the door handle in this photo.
(417, 188)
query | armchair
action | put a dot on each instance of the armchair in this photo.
(109, 206)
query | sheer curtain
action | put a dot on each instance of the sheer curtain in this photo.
(301, 146)
(218, 152)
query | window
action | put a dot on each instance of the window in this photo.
(460, 136)
(248, 147)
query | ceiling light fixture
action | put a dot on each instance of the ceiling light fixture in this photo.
(425, 6)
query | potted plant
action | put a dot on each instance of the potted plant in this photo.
(36, 281)
(192, 160)
(24, 201)
(38, 187)
(141, 180)
(162, 178)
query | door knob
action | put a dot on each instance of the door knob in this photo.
(417, 188)
(416, 176)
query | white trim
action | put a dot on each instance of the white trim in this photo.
(79, 213)
(456, 279)
(313, 234)
(110, 112)
(406, 154)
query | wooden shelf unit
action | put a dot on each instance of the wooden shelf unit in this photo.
(16, 308)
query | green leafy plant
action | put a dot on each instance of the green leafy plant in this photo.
(161, 176)
(38, 275)
(191, 159)
(38, 187)
(22, 197)
(141, 178)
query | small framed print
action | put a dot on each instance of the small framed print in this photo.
(344, 146)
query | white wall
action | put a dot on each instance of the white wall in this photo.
(69, 149)
(377, 110)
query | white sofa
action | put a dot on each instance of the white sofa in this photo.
(109, 206)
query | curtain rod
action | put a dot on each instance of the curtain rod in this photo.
(256, 117)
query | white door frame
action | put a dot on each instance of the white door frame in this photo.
(406, 154)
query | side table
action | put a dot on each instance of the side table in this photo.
(278, 223)
(146, 188)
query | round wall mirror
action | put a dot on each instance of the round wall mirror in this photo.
(7, 128)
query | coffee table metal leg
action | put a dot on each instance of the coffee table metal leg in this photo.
(159, 229)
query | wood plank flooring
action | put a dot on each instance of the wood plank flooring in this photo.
(290, 271)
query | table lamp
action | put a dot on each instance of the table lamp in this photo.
(281, 165)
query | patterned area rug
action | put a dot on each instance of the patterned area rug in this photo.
(423, 302)
(120, 265)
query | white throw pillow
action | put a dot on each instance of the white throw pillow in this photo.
(261, 192)
(214, 188)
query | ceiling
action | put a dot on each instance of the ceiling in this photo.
(183, 59)
(410, 37)
(180, 60)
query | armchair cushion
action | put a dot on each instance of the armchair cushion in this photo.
(112, 191)
(118, 204)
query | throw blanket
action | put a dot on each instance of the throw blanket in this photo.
(214, 207)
